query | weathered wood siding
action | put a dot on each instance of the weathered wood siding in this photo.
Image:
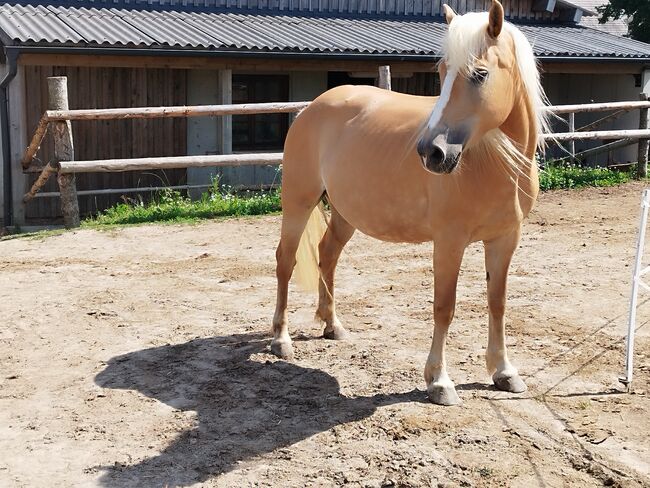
(425, 84)
(109, 88)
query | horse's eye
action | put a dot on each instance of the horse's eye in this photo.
(478, 76)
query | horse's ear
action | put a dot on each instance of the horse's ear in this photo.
(495, 24)
(449, 12)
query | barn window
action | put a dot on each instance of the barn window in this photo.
(260, 132)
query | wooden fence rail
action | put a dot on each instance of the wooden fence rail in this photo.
(152, 113)
(109, 165)
(58, 118)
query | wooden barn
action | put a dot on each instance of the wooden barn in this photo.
(121, 53)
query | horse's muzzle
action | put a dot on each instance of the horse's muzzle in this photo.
(438, 156)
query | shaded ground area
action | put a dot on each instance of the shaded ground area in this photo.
(139, 357)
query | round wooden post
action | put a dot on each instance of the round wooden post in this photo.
(642, 164)
(57, 88)
(572, 142)
(384, 77)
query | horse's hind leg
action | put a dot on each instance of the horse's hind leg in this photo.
(498, 254)
(338, 233)
(294, 219)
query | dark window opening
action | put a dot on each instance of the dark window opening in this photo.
(260, 132)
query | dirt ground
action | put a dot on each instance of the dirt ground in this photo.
(139, 357)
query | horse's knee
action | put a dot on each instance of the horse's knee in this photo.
(284, 264)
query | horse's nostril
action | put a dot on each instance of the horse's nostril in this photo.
(437, 154)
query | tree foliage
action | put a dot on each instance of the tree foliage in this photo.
(638, 12)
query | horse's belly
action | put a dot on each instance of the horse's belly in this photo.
(383, 208)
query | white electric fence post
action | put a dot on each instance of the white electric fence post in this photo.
(636, 281)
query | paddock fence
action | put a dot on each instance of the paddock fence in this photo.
(58, 117)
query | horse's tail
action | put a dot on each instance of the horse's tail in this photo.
(307, 272)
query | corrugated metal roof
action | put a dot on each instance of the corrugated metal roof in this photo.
(307, 34)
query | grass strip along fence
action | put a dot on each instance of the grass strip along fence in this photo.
(172, 206)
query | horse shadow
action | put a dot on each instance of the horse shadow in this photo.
(244, 407)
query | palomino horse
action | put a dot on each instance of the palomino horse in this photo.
(454, 170)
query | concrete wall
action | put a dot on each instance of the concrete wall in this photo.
(590, 88)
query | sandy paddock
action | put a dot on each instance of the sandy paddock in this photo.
(139, 357)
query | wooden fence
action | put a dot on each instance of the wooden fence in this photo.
(622, 137)
(57, 119)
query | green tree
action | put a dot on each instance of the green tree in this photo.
(637, 11)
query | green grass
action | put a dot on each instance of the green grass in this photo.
(556, 176)
(171, 206)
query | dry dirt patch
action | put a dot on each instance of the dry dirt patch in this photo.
(139, 357)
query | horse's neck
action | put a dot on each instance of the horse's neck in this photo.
(521, 127)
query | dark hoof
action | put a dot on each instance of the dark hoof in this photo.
(512, 384)
(283, 350)
(336, 333)
(443, 395)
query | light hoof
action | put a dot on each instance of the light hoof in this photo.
(282, 349)
(512, 384)
(443, 395)
(337, 333)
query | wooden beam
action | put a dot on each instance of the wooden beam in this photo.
(590, 68)
(138, 164)
(642, 160)
(269, 65)
(572, 128)
(182, 111)
(225, 123)
(35, 144)
(57, 91)
(48, 171)
(599, 135)
(18, 136)
(603, 148)
(384, 78)
(153, 112)
(597, 107)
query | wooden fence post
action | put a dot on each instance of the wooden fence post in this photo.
(57, 87)
(642, 164)
(572, 142)
(384, 77)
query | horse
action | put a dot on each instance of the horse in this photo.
(452, 170)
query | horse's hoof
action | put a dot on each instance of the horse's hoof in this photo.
(512, 384)
(443, 395)
(283, 350)
(337, 333)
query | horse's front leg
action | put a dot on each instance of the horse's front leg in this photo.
(498, 254)
(447, 259)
